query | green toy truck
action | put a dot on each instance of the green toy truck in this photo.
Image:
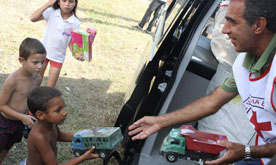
(105, 140)
(190, 144)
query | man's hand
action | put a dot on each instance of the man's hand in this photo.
(144, 127)
(28, 120)
(235, 152)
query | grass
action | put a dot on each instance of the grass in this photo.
(93, 91)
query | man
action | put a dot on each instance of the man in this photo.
(231, 119)
(155, 6)
(251, 26)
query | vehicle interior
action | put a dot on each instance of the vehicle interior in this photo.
(175, 69)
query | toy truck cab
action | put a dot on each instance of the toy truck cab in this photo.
(187, 142)
(173, 146)
(105, 140)
(77, 145)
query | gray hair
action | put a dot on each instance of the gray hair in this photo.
(261, 8)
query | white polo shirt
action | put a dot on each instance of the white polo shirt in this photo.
(57, 34)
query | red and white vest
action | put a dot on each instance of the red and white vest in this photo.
(259, 97)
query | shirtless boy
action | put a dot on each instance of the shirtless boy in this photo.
(47, 104)
(13, 97)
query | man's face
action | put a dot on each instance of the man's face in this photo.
(241, 34)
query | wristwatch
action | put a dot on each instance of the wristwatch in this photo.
(247, 155)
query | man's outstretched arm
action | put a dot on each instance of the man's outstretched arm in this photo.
(198, 109)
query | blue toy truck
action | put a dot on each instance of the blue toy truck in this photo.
(105, 140)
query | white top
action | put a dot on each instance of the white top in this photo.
(57, 34)
(259, 97)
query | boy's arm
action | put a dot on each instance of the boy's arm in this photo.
(48, 155)
(7, 90)
(37, 15)
(87, 155)
(64, 137)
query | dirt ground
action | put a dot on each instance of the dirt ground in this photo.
(93, 91)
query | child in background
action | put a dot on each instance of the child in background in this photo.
(47, 104)
(61, 19)
(13, 97)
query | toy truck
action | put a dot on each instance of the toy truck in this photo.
(188, 143)
(105, 140)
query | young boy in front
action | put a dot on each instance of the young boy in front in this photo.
(13, 97)
(47, 104)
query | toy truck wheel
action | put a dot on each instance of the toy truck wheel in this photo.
(103, 154)
(171, 157)
(77, 153)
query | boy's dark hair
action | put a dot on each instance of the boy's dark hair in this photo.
(39, 97)
(31, 46)
(56, 6)
(261, 8)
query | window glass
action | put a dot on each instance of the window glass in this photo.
(175, 142)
